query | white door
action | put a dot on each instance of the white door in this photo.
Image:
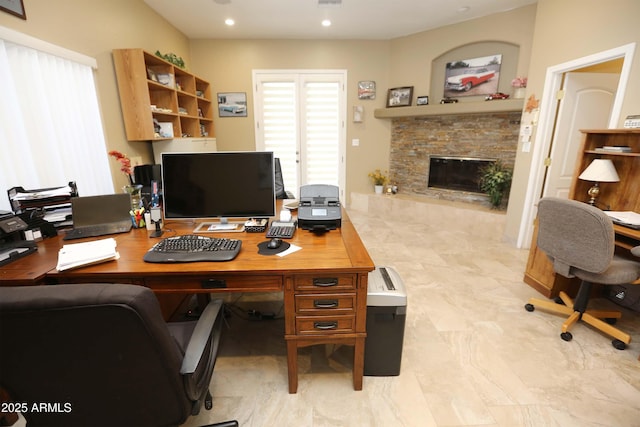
(300, 116)
(587, 103)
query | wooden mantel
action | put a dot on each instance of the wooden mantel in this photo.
(476, 107)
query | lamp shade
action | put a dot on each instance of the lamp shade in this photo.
(600, 170)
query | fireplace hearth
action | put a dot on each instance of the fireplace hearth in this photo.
(456, 173)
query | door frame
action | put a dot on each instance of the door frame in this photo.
(548, 110)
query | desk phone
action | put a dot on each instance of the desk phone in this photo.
(281, 229)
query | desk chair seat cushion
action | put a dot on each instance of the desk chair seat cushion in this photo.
(620, 272)
(102, 348)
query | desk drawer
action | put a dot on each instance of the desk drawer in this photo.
(325, 304)
(325, 282)
(242, 283)
(320, 325)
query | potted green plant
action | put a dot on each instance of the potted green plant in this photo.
(379, 180)
(495, 180)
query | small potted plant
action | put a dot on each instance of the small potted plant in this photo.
(379, 180)
(495, 180)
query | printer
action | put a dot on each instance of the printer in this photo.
(319, 208)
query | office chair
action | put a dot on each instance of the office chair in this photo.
(102, 355)
(281, 193)
(579, 240)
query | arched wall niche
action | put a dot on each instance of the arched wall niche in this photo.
(510, 53)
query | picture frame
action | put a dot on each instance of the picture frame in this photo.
(422, 100)
(367, 89)
(14, 7)
(472, 76)
(232, 104)
(400, 96)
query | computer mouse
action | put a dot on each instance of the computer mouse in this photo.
(274, 243)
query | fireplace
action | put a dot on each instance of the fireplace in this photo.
(456, 173)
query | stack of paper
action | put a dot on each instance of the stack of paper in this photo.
(86, 253)
(626, 218)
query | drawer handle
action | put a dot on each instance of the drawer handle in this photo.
(325, 325)
(325, 282)
(325, 303)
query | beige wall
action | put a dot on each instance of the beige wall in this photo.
(94, 28)
(566, 30)
(228, 65)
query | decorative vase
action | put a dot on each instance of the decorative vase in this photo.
(519, 92)
(378, 188)
(135, 192)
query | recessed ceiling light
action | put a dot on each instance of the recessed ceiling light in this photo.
(230, 22)
(326, 23)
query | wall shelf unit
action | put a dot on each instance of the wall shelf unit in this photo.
(477, 107)
(152, 88)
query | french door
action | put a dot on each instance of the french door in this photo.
(300, 116)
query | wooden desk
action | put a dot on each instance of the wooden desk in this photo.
(331, 268)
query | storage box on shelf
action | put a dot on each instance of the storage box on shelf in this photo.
(155, 92)
(616, 196)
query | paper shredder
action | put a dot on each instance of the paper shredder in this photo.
(386, 314)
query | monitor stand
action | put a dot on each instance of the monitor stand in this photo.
(222, 226)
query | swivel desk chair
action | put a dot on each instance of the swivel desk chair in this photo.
(579, 239)
(102, 355)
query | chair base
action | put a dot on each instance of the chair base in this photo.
(574, 314)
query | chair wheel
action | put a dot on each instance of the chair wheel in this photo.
(566, 336)
(208, 401)
(618, 345)
(529, 307)
(611, 320)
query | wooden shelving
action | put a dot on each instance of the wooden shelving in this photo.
(154, 91)
(477, 107)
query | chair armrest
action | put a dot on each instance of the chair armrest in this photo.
(200, 337)
(636, 251)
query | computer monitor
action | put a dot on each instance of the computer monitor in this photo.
(218, 185)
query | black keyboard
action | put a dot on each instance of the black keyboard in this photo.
(193, 248)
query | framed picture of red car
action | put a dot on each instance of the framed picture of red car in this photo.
(400, 96)
(472, 77)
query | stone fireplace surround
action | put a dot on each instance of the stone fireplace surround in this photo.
(480, 135)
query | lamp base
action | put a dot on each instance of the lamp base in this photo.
(593, 194)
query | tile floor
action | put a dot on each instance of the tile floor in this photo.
(472, 355)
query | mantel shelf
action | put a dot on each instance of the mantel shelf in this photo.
(478, 107)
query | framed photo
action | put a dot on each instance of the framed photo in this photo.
(367, 90)
(422, 100)
(232, 104)
(14, 7)
(472, 77)
(400, 96)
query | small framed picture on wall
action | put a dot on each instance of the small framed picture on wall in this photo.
(14, 7)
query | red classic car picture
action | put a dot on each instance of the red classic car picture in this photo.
(472, 77)
(469, 79)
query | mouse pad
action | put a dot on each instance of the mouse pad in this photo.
(264, 250)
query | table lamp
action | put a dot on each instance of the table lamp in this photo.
(600, 170)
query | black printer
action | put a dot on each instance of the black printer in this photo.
(319, 208)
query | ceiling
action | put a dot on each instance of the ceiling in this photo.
(301, 19)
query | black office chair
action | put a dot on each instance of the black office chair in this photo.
(281, 193)
(102, 355)
(579, 239)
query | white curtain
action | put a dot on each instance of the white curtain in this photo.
(51, 131)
